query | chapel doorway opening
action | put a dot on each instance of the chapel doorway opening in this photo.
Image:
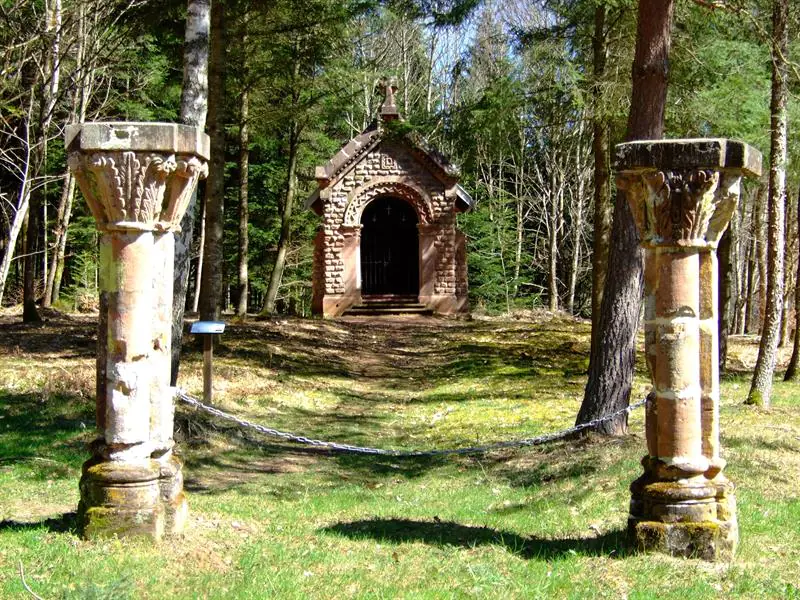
(389, 248)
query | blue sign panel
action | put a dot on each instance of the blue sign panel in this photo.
(207, 327)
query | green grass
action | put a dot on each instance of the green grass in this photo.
(273, 520)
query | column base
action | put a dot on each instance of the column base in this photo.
(121, 499)
(176, 508)
(693, 517)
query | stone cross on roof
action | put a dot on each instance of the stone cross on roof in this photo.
(388, 111)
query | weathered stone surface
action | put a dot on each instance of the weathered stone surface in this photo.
(137, 178)
(702, 153)
(708, 540)
(133, 136)
(682, 194)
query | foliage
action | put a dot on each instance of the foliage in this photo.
(501, 86)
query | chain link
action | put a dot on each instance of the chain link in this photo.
(300, 439)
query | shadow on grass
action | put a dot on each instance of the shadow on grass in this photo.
(448, 533)
(66, 523)
(48, 436)
(69, 336)
(255, 461)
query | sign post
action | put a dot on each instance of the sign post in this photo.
(208, 329)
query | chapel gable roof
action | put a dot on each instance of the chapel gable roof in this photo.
(360, 146)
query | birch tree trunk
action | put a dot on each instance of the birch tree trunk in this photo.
(23, 198)
(761, 388)
(194, 104)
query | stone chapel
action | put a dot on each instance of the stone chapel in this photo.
(388, 204)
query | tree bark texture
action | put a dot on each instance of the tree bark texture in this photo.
(612, 361)
(762, 229)
(761, 388)
(791, 370)
(286, 224)
(752, 269)
(201, 242)
(244, 167)
(602, 173)
(29, 312)
(63, 216)
(211, 283)
(194, 104)
(726, 285)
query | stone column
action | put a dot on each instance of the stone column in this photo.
(428, 258)
(351, 262)
(682, 194)
(137, 179)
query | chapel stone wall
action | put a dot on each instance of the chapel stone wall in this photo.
(390, 169)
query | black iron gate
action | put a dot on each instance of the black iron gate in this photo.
(389, 248)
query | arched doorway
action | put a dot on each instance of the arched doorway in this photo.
(389, 248)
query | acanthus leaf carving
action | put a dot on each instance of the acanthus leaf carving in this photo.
(180, 187)
(678, 207)
(126, 187)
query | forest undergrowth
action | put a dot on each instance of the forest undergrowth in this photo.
(274, 520)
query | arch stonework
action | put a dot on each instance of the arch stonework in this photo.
(396, 186)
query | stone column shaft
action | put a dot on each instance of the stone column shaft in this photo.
(676, 375)
(126, 260)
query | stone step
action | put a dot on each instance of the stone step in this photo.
(389, 298)
(397, 308)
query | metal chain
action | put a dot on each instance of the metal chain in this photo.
(300, 439)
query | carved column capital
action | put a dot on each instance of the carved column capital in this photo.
(682, 193)
(676, 207)
(124, 190)
(125, 169)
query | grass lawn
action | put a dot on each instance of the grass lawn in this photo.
(274, 520)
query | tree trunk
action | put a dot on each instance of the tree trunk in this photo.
(612, 362)
(725, 276)
(211, 283)
(63, 215)
(286, 218)
(577, 222)
(791, 370)
(198, 276)
(244, 162)
(602, 173)
(17, 224)
(761, 259)
(288, 202)
(552, 251)
(752, 269)
(194, 103)
(29, 312)
(761, 388)
(787, 302)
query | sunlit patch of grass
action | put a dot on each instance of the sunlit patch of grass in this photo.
(270, 519)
